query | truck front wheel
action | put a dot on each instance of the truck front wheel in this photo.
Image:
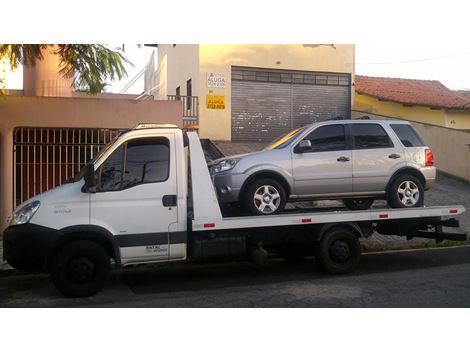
(80, 269)
(339, 251)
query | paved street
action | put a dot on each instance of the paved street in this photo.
(416, 278)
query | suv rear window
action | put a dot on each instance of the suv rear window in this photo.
(407, 135)
(370, 136)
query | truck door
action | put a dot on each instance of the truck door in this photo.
(136, 197)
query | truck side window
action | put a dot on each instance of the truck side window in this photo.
(147, 160)
(110, 175)
(142, 160)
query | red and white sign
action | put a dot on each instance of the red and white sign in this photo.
(215, 80)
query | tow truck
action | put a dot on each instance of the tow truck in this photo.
(148, 197)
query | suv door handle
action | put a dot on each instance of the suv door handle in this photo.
(169, 200)
(394, 156)
(342, 159)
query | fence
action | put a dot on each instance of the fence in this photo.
(47, 157)
(451, 147)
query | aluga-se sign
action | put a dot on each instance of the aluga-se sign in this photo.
(215, 80)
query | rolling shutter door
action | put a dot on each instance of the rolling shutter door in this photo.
(269, 103)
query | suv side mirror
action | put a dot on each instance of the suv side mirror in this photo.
(89, 177)
(304, 146)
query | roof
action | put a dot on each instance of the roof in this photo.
(412, 91)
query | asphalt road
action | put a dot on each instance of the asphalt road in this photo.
(414, 278)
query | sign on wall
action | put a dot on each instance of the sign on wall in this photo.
(215, 80)
(215, 101)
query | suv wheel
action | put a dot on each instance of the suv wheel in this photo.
(359, 203)
(80, 269)
(265, 197)
(406, 191)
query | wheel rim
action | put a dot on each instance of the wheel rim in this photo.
(267, 199)
(81, 270)
(408, 193)
(339, 251)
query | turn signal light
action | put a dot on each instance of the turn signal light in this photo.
(429, 157)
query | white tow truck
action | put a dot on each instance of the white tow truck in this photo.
(148, 197)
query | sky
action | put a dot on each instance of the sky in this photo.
(449, 64)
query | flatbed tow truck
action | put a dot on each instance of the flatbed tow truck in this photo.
(166, 209)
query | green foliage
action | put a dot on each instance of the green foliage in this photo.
(91, 65)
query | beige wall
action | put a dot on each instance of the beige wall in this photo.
(20, 111)
(44, 79)
(177, 65)
(216, 124)
(450, 146)
(441, 117)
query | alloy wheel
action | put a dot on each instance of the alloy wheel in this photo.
(408, 193)
(267, 199)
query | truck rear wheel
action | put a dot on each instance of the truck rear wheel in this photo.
(80, 269)
(339, 251)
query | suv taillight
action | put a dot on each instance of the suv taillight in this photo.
(429, 157)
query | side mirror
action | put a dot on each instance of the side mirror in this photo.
(89, 177)
(304, 146)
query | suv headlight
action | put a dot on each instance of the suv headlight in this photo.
(224, 165)
(24, 214)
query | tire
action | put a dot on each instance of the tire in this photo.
(264, 197)
(292, 254)
(406, 191)
(80, 269)
(339, 251)
(358, 203)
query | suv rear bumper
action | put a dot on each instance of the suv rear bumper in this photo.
(429, 173)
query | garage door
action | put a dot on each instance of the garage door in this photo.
(269, 103)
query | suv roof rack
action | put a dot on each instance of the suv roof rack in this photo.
(142, 126)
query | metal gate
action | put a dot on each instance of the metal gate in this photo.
(269, 103)
(47, 157)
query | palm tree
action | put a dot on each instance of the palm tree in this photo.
(91, 65)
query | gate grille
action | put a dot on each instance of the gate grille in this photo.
(46, 157)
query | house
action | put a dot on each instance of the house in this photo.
(48, 131)
(422, 101)
(254, 92)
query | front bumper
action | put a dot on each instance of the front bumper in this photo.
(228, 186)
(26, 247)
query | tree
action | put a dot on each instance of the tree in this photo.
(91, 65)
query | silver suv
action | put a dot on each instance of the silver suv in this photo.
(353, 160)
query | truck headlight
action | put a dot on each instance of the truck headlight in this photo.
(224, 165)
(24, 214)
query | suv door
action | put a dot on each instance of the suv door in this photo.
(136, 197)
(326, 168)
(374, 156)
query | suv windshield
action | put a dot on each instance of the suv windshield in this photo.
(286, 139)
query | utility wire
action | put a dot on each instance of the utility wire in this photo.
(413, 60)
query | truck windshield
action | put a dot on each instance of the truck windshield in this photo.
(286, 139)
(103, 150)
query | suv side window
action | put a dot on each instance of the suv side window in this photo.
(143, 160)
(370, 136)
(407, 135)
(328, 138)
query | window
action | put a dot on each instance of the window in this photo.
(111, 171)
(144, 160)
(328, 138)
(189, 93)
(178, 93)
(407, 135)
(370, 136)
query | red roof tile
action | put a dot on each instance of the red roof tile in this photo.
(412, 91)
